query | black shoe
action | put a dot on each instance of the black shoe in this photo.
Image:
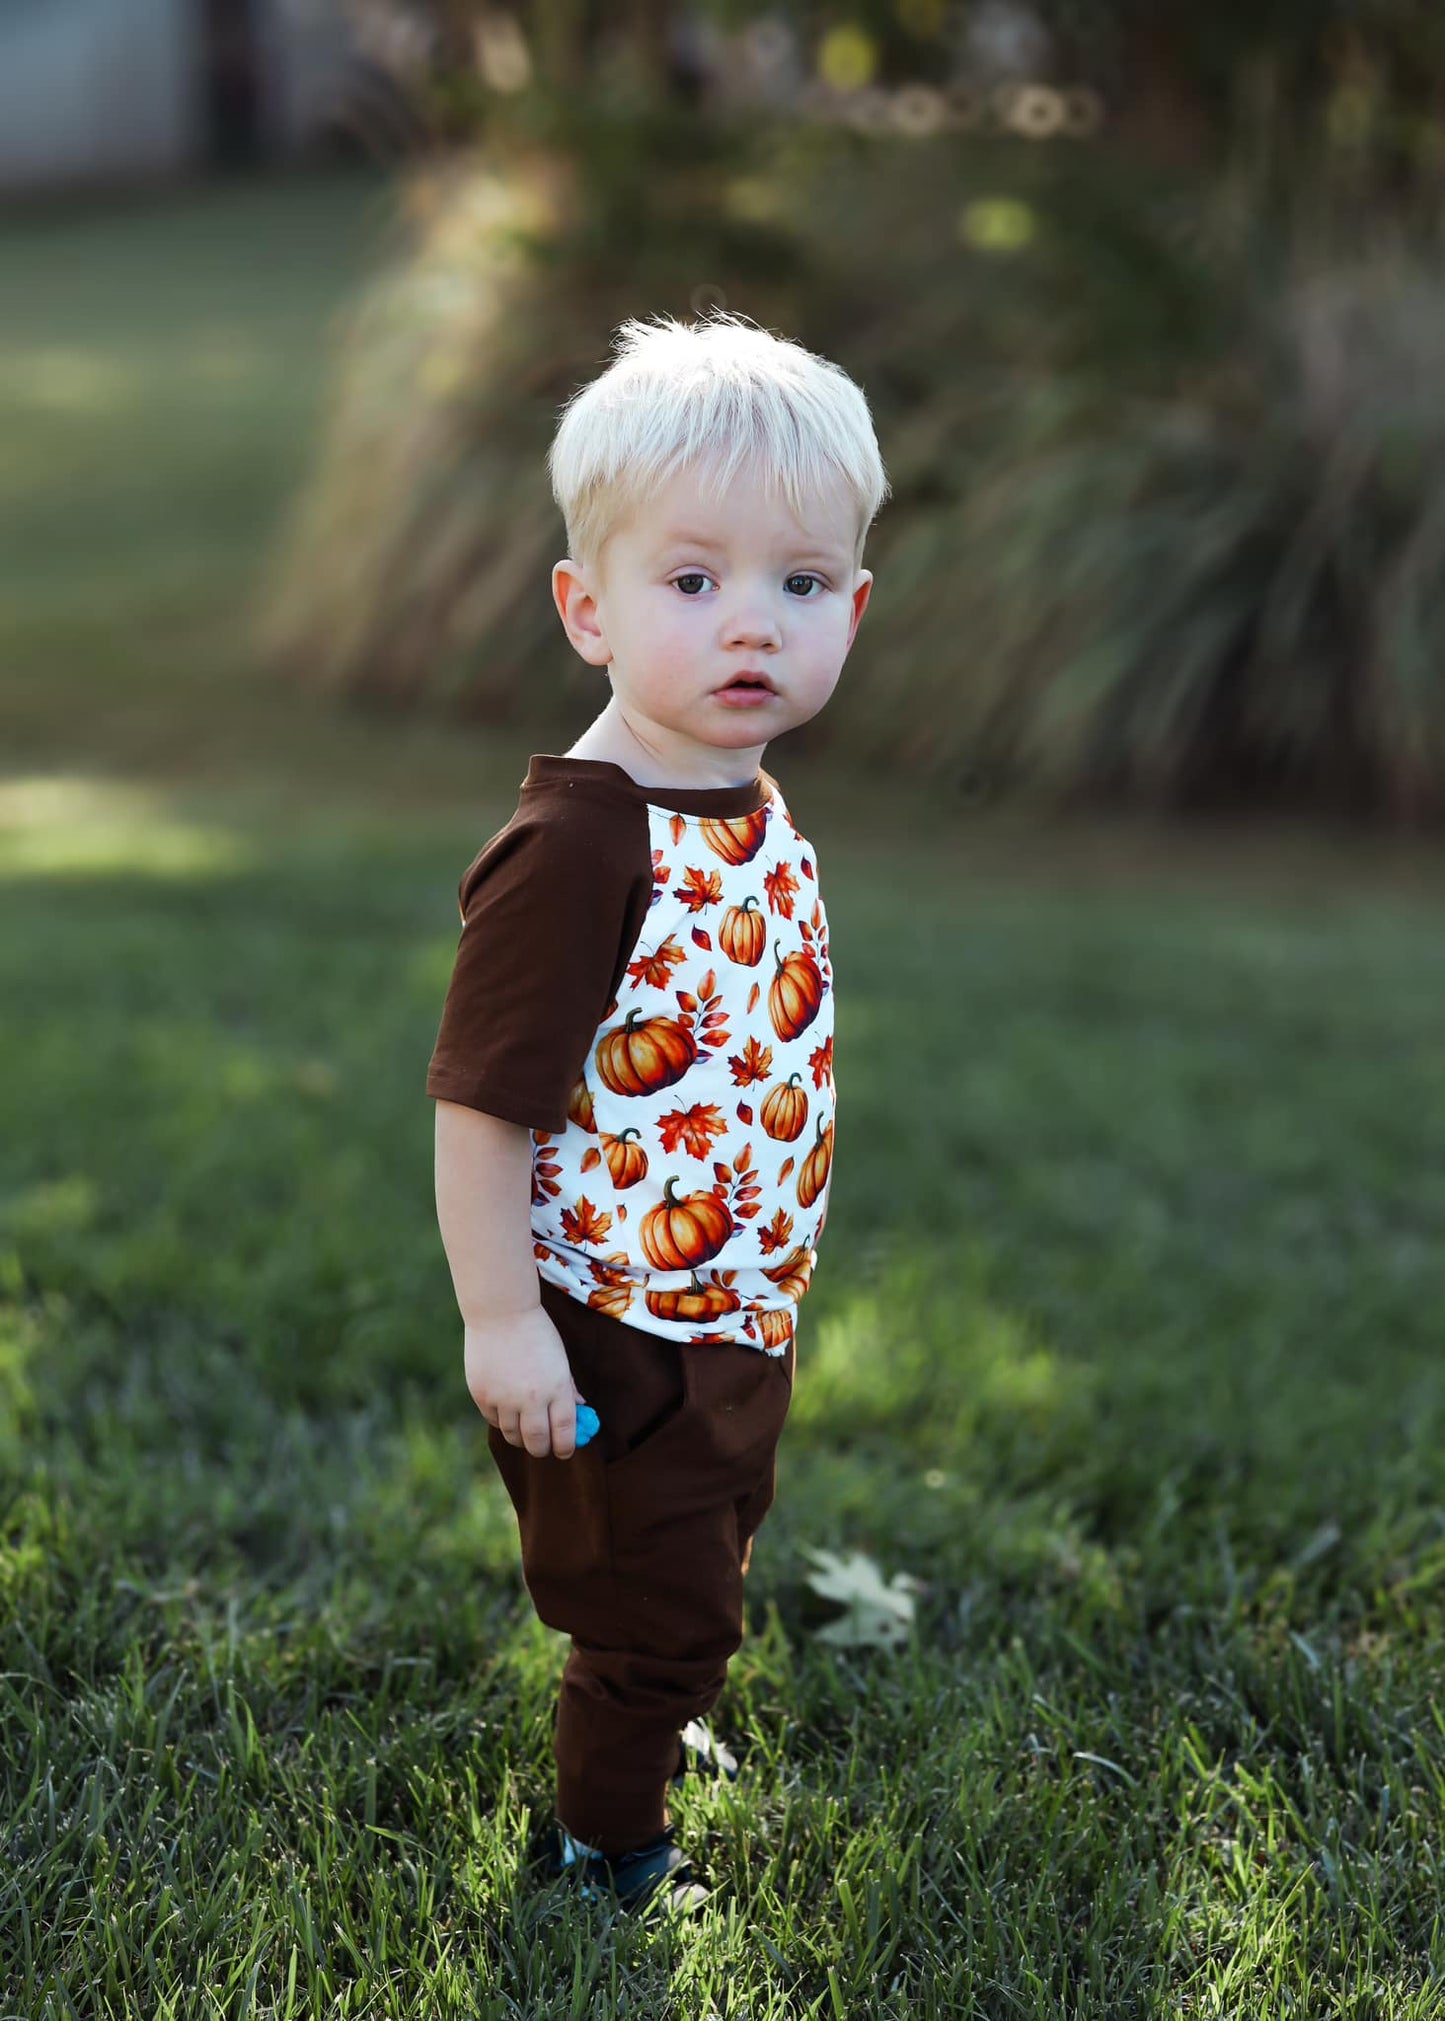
(657, 1871)
(701, 1754)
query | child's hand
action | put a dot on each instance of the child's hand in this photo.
(520, 1380)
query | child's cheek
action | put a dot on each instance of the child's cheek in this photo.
(674, 629)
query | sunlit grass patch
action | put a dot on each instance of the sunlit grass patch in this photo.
(64, 380)
(58, 826)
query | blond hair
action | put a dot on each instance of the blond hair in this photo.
(720, 394)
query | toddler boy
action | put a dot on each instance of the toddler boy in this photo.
(633, 1073)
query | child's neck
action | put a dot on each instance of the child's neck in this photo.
(610, 740)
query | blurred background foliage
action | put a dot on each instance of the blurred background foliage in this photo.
(1145, 304)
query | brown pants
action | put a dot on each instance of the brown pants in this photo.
(636, 1547)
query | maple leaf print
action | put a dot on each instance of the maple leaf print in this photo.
(754, 1063)
(781, 886)
(699, 888)
(821, 1061)
(656, 968)
(584, 1223)
(777, 1234)
(695, 1128)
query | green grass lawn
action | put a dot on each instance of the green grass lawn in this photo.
(1125, 1339)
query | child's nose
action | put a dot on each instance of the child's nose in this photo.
(754, 623)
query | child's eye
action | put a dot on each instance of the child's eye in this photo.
(811, 582)
(695, 576)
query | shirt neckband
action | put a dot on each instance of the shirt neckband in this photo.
(724, 803)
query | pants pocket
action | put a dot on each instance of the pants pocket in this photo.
(653, 1418)
(561, 1508)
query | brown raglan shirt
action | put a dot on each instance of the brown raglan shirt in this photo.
(643, 982)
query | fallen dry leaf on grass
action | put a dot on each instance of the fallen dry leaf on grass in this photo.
(878, 1616)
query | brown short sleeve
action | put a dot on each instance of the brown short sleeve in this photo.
(552, 908)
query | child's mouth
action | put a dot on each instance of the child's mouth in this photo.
(744, 690)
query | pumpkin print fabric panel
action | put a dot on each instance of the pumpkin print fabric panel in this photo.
(685, 1191)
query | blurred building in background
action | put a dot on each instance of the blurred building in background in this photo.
(98, 91)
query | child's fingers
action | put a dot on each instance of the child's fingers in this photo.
(536, 1429)
(563, 1419)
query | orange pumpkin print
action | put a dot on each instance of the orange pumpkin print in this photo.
(579, 1109)
(638, 1059)
(743, 934)
(795, 993)
(695, 1301)
(777, 1328)
(785, 1110)
(613, 1294)
(626, 1162)
(613, 1299)
(737, 840)
(792, 1275)
(680, 1234)
(814, 1174)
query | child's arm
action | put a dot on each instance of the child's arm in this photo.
(516, 1365)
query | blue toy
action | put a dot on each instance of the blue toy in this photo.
(588, 1423)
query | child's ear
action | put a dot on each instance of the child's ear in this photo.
(577, 607)
(862, 590)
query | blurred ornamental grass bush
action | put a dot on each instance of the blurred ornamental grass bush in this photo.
(418, 531)
(418, 558)
(1168, 519)
(1232, 594)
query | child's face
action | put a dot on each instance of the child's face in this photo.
(693, 591)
